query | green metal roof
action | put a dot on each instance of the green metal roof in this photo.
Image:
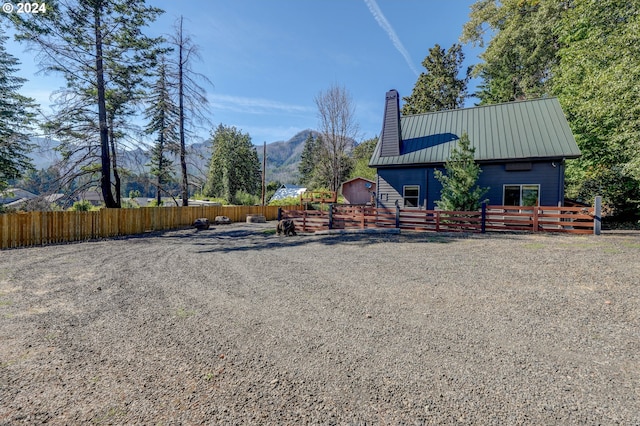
(514, 131)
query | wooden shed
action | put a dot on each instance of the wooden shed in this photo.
(359, 191)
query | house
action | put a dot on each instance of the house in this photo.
(286, 191)
(358, 191)
(521, 148)
(93, 196)
(15, 197)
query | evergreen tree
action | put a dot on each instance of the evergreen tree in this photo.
(234, 165)
(99, 48)
(361, 156)
(439, 88)
(459, 189)
(162, 114)
(17, 115)
(308, 160)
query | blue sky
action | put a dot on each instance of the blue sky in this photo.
(268, 59)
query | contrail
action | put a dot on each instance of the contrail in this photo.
(386, 26)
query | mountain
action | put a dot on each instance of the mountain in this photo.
(283, 157)
(44, 153)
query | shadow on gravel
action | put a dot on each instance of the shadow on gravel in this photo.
(247, 240)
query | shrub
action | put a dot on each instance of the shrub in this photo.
(243, 198)
(82, 206)
(289, 201)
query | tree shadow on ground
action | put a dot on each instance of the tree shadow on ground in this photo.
(233, 240)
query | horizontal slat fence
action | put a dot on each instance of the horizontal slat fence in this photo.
(26, 229)
(574, 220)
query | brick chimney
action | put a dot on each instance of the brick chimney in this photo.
(391, 125)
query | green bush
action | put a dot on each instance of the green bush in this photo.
(289, 201)
(82, 206)
(243, 198)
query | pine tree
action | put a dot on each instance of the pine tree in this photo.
(162, 114)
(308, 160)
(234, 165)
(16, 120)
(459, 189)
(439, 88)
(99, 48)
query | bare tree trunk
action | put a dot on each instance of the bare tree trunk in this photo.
(183, 161)
(114, 163)
(105, 181)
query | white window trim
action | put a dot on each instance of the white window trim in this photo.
(521, 185)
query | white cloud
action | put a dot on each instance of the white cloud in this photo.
(386, 26)
(255, 105)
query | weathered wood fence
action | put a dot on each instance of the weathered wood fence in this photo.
(40, 228)
(572, 220)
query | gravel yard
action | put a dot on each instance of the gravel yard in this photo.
(235, 325)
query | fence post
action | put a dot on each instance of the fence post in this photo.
(597, 215)
(279, 214)
(330, 215)
(484, 217)
(397, 216)
(535, 218)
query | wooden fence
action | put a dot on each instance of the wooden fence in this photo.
(573, 220)
(40, 228)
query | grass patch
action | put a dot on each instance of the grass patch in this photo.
(5, 303)
(108, 415)
(269, 231)
(629, 244)
(534, 246)
(185, 313)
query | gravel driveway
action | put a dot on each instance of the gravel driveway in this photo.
(235, 325)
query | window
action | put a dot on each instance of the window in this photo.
(411, 194)
(521, 195)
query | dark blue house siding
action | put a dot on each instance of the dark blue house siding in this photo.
(549, 175)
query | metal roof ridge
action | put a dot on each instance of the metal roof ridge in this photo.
(544, 98)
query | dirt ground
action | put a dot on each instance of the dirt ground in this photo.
(235, 325)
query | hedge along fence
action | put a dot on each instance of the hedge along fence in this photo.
(571, 220)
(40, 228)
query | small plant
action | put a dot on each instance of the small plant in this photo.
(82, 206)
(243, 198)
(185, 313)
(288, 201)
